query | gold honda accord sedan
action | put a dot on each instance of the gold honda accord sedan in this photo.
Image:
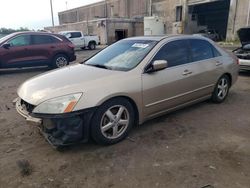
(125, 84)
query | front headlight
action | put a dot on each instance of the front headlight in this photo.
(58, 105)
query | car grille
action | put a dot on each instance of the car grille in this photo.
(28, 107)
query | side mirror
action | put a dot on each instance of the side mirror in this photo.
(6, 46)
(157, 66)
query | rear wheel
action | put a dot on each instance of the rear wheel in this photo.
(92, 45)
(112, 121)
(59, 61)
(221, 89)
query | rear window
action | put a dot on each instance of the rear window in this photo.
(62, 37)
(43, 39)
(201, 50)
(75, 35)
(216, 52)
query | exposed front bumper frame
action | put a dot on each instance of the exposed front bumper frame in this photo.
(72, 127)
(23, 112)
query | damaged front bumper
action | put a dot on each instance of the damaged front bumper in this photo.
(59, 129)
(22, 110)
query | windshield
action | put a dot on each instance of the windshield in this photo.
(123, 55)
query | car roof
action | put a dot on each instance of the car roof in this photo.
(33, 32)
(161, 37)
(69, 31)
(149, 37)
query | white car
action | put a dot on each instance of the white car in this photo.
(80, 40)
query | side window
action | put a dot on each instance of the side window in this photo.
(75, 35)
(216, 52)
(43, 39)
(201, 50)
(176, 53)
(23, 40)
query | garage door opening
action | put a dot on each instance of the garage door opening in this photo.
(121, 34)
(212, 16)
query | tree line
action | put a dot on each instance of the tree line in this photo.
(7, 31)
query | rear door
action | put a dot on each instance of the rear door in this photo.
(208, 63)
(16, 55)
(42, 50)
(174, 86)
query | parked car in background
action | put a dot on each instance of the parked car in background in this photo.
(243, 53)
(129, 82)
(80, 40)
(28, 49)
(210, 33)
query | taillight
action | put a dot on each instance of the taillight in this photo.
(71, 45)
(238, 61)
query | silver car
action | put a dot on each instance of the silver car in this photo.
(127, 83)
(243, 53)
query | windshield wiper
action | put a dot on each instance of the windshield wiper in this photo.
(99, 66)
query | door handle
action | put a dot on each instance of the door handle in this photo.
(186, 72)
(218, 63)
(52, 47)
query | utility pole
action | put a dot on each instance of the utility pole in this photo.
(66, 2)
(150, 7)
(248, 12)
(52, 16)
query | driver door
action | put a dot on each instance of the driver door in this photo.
(166, 89)
(16, 55)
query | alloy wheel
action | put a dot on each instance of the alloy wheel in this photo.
(61, 62)
(114, 122)
(222, 88)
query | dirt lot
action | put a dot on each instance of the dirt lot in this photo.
(206, 144)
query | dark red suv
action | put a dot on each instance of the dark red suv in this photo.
(28, 49)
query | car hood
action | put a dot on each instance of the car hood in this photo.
(64, 81)
(244, 35)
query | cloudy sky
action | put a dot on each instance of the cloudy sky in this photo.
(34, 14)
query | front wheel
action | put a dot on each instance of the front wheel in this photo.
(112, 121)
(221, 89)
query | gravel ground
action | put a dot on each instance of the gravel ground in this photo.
(205, 144)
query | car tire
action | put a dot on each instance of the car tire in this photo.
(221, 89)
(112, 121)
(60, 61)
(92, 45)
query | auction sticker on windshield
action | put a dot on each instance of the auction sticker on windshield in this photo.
(140, 45)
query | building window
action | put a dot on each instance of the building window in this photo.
(194, 17)
(179, 13)
(90, 30)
